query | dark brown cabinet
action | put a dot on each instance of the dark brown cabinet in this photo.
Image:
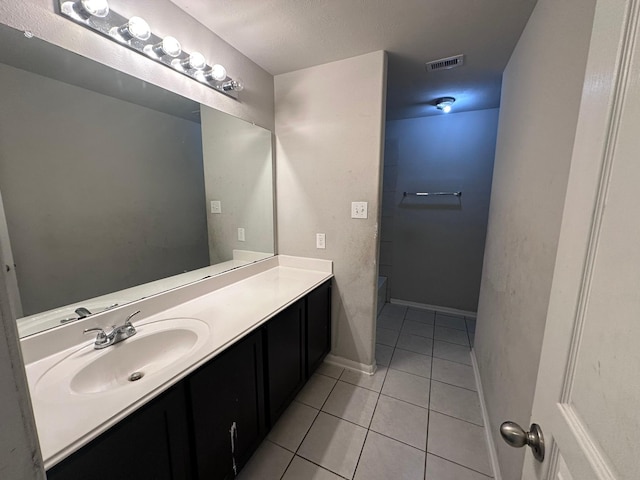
(318, 326)
(151, 444)
(208, 425)
(285, 358)
(227, 409)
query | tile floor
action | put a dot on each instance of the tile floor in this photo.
(418, 417)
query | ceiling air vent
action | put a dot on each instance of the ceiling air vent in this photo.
(445, 63)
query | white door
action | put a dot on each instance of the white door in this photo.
(588, 390)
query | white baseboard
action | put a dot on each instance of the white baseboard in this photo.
(493, 455)
(437, 308)
(350, 364)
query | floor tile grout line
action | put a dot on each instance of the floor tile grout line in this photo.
(452, 343)
(454, 385)
(432, 338)
(352, 422)
(453, 361)
(314, 420)
(426, 440)
(411, 351)
(455, 418)
(295, 452)
(289, 464)
(374, 412)
(411, 373)
(460, 465)
(399, 441)
(404, 401)
(319, 466)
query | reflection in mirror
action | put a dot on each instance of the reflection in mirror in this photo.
(105, 194)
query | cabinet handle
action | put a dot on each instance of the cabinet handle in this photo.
(233, 431)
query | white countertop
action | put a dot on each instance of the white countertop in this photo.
(231, 305)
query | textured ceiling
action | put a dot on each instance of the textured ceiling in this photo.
(286, 35)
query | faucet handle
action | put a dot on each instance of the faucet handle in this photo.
(127, 322)
(102, 335)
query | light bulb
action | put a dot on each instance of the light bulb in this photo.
(194, 61)
(237, 85)
(445, 104)
(218, 72)
(168, 46)
(95, 8)
(197, 61)
(136, 27)
(85, 9)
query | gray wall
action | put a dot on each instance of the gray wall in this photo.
(542, 85)
(432, 248)
(329, 151)
(17, 455)
(238, 172)
(108, 195)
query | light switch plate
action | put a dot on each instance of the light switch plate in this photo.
(241, 234)
(358, 209)
(216, 206)
(321, 240)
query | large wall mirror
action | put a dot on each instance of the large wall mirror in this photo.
(112, 189)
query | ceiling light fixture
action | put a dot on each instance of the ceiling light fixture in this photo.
(136, 34)
(445, 104)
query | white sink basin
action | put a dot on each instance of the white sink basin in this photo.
(158, 347)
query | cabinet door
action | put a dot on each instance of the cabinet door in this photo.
(318, 326)
(150, 444)
(285, 358)
(227, 399)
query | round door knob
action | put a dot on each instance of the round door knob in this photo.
(515, 436)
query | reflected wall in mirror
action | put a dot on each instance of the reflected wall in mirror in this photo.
(105, 194)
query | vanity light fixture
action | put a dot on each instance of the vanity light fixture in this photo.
(445, 104)
(136, 34)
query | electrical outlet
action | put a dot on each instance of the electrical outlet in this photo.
(241, 234)
(320, 240)
(216, 206)
(358, 209)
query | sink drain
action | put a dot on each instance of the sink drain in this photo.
(135, 376)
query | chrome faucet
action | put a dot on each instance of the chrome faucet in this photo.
(116, 335)
(82, 312)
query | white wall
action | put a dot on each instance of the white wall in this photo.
(432, 247)
(19, 457)
(330, 128)
(542, 85)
